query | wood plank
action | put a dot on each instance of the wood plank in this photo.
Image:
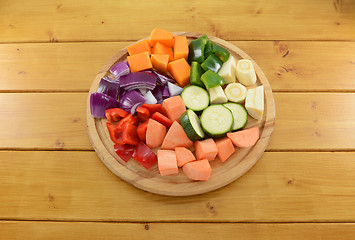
(65, 20)
(288, 65)
(76, 186)
(304, 121)
(204, 231)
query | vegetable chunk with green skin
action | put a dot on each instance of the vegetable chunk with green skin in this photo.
(195, 98)
(195, 74)
(212, 79)
(220, 52)
(192, 126)
(197, 49)
(216, 120)
(212, 63)
(208, 48)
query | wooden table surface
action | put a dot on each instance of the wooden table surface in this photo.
(54, 186)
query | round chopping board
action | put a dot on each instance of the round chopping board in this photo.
(179, 185)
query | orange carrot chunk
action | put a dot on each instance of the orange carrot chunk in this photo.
(139, 62)
(167, 163)
(206, 149)
(176, 137)
(181, 48)
(155, 133)
(160, 62)
(162, 36)
(173, 108)
(180, 70)
(198, 170)
(225, 148)
(244, 138)
(183, 156)
(139, 47)
(161, 49)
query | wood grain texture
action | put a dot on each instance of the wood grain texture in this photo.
(107, 20)
(10, 230)
(289, 65)
(76, 186)
(304, 121)
(179, 185)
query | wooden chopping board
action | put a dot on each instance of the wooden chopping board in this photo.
(179, 185)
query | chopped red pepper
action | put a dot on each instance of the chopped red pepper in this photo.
(129, 134)
(124, 151)
(142, 130)
(129, 118)
(115, 114)
(115, 133)
(162, 119)
(144, 155)
(143, 114)
(153, 108)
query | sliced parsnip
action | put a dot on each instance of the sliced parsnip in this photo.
(245, 72)
(228, 70)
(254, 102)
(217, 95)
(235, 92)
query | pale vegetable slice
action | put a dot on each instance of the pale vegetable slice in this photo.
(228, 70)
(245, 72)
(217, 95)
(254, 102)
(235, 92)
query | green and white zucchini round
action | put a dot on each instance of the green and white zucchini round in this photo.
(240, 115)
(191, 125)
(195, 98)
(217, 120)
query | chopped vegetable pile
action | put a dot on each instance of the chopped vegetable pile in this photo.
(178, 96)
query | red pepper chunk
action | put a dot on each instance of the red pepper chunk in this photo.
(129, 134)
(124, 151)
(153, 107)
(162, 119)
(144, 155)
(142, 131)
(115, 133)
(115, 114)
(143, 114)
(129, 118)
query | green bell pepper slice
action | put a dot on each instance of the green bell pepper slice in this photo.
(195, 74)
(212, 79)
(212, 63)
(220, 52)
(197, 49)
(208, 49)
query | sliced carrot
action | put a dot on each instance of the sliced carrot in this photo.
(180, 70)
(142, 131)
(155, 133)
(181, 48)
(244, 138)
(160, 62)
(176, 137)
(161, 49)
(198, 170)
(206, 149)
(183, 156)
(139, 62)
(157, 116)
(139, 47)
(142, 114)
(167, 163)
(153, 108)
(225, 148)
(162, 36)
(173, 108)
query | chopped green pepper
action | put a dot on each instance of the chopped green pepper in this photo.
(220, 52)
(208, 49)
(212, 79)
(195, 74)
(212, 63)
(197, 49)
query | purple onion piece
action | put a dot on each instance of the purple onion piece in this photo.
(109, 87)
(120, 69)
(99, 102)
(129, 99)
(137, 80)
(163, 79)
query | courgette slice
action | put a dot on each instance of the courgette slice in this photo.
(195, 98)
(240, 115)
(216, 120)
(191, 125)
